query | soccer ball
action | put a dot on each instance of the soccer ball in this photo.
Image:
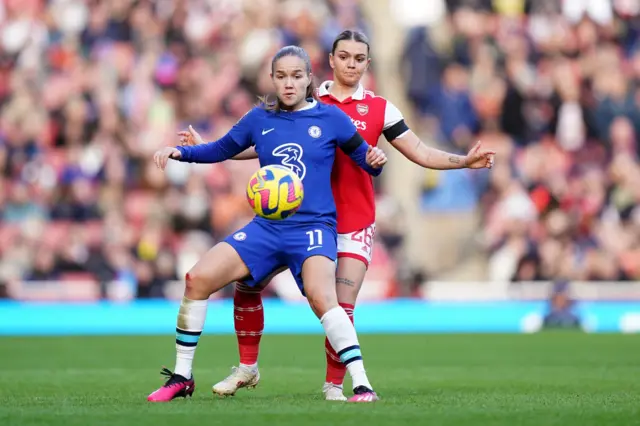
(275, 192)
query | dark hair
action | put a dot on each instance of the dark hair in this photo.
(271, 104)
(354, 35)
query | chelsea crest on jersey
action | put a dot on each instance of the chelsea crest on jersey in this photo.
(305, 141)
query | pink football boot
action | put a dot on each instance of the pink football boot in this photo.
(363, 394)
(176, 386)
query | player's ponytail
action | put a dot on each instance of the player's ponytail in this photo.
(271, 102)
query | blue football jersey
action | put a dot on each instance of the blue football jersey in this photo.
(304, 141)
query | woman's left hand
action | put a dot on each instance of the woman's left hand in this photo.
(479, 159)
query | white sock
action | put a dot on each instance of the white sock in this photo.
(191, 319)
(343, 339)
(251, 367)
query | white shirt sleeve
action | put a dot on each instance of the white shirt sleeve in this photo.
(392, 115)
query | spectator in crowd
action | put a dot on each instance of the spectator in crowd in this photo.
(554, 87)
(90, 89)
(561, 310)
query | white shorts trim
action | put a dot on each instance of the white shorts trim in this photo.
(358, 244)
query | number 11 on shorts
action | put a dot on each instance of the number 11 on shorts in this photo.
(315, 239)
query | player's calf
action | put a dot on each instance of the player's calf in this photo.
(218, 267)
(336, 370)
(353, 260)
(248, 322)
(344, 340)
(317, 270)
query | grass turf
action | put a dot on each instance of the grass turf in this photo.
(545, 379)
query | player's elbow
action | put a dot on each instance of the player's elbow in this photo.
(421, 156)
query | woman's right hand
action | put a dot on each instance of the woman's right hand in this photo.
(376, 157)
(161, 157)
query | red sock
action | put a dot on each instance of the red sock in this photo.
(335, 368)
(248, 319)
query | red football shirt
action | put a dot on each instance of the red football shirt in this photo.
(353, 187)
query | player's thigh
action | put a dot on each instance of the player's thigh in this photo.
(250, 285)
(312, 252)
(257, 245)
(318, 279)
(355, 250)
(218, 267)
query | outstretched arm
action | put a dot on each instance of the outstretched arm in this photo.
(212, 152)
(238, 139)
(409, 144)
(431, 158)
(191, 138)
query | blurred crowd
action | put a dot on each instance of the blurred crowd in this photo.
(90, 89)
(554, 87)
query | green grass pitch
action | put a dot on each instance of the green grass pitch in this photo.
(547, 379)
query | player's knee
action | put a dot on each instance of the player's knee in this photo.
(322, 301)
(195, 284)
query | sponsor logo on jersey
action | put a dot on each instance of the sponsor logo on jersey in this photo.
(362, 109)
(239, 236)
(291, 157)
(360, 124)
